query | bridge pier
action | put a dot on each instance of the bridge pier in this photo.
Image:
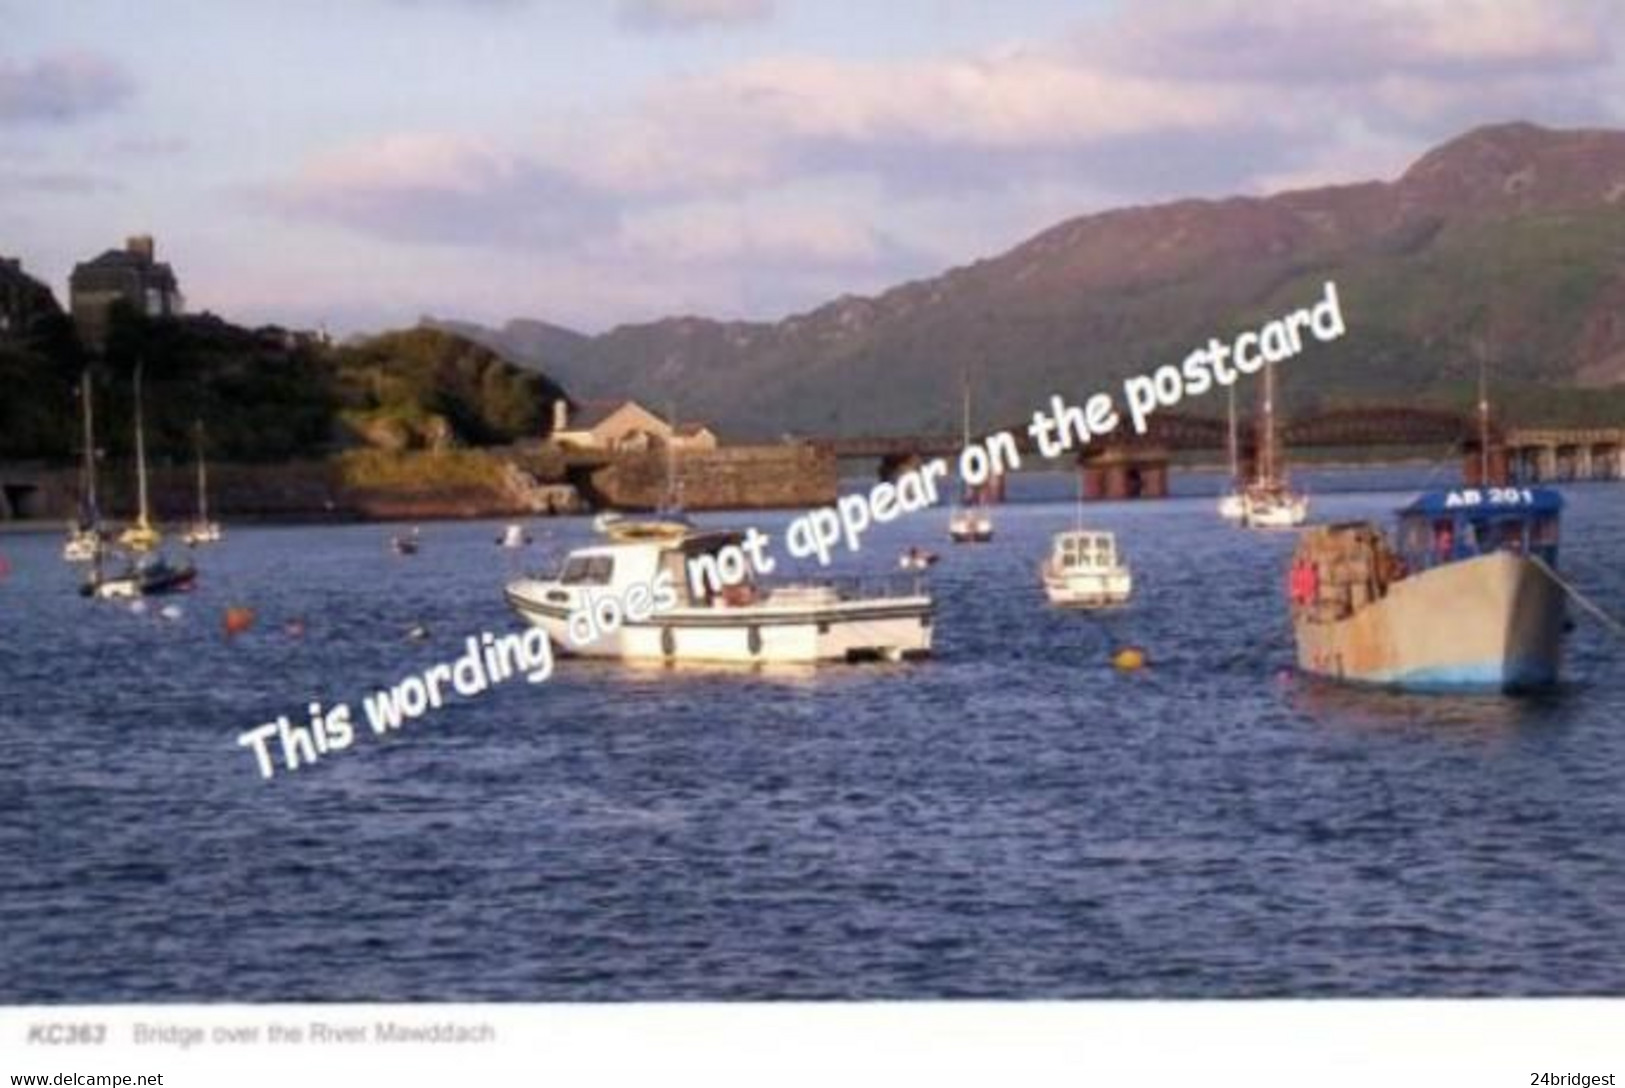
(1120, 473)
(1472, 466)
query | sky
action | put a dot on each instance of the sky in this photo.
(355, 164)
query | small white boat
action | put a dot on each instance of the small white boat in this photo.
(514, 536)
(83, 544)
(1269, 501)
(202, 529)
(1232, 506)
(917, 559)
(405, 543)
(1272, 505)
(749, 623)
(1083, 569)
(970, 525)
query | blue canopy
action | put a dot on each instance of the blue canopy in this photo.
(1486, 500)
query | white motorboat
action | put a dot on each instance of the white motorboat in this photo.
(614, 591)
(1084, 569)
(1232, 506)
(83, 545)
(514, 536)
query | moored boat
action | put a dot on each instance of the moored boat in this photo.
(147, 575)
(1085, 570)
(514, 536)
(203, 529)
(748, 623)
(1464, 597)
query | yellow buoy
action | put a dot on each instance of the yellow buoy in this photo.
(1128, 659)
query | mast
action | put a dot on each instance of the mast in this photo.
(202, 478)
(90, 446)
(1235, 454)
(140, 452)
(1267, 451)
(1483, 426)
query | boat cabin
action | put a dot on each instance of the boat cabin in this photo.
(1084, 549)
(1448, 526)
(620, 564)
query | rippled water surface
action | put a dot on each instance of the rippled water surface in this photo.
(1012, 819)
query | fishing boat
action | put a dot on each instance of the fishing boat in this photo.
(514, 536)
(147, 575)
(202, 530)
(143, 536)
(839, 620)
(970, 521)
(1084, 570)
(85, 538)
(1268, 501)
(1464, 596)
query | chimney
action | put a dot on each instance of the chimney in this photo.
(561, 415)
(140, 245)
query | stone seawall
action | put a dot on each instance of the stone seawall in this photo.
(731, 478)
(427, 485)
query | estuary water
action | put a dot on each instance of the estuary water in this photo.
(1013, 819)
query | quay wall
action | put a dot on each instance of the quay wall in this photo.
(732, 477)
(426, 485)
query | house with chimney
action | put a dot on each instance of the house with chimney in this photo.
(132, 276)
(613, 425)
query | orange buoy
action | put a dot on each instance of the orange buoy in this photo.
(238, 620)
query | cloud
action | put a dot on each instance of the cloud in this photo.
(678, 15)
(1327, 41)
(61, 88)
(772, 182)
(58, 182)
(444, 190)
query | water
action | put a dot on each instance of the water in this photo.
(1014, 819)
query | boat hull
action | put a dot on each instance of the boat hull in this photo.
(1493, 623)
(1088, 590)
(873, 630)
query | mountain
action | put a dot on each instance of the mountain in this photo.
(1505, 245)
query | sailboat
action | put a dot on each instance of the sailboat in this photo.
(84, 541)
(142, 536)
(148, 572)
(970, 522)
(1268, 501)
(202, 530)
(1231, 505)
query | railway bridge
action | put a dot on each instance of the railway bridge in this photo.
(1125, 465)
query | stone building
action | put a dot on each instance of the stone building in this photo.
(130, 275)
(624, 425)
